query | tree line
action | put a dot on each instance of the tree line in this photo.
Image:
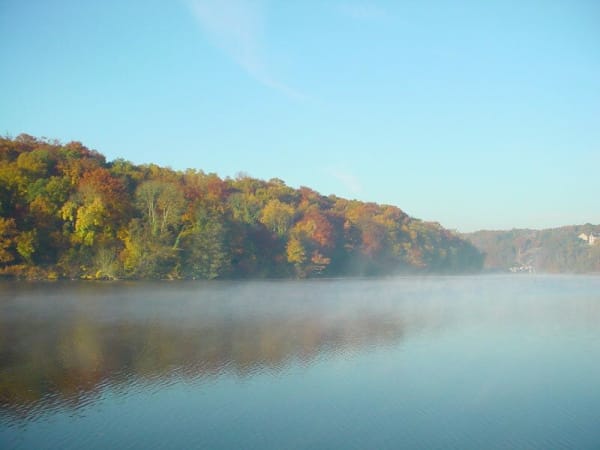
(66, 212)
(553, 250)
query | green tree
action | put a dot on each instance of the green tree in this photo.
(204, 245)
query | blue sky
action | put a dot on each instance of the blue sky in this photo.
(474, 114)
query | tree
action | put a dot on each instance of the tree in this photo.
(65, 210)
(162, 204)
(26, 244)
(310, 243)
(245, 207)
(204, 245)
(277, 217)
(8, 231)
(151, 242)
(145, 255)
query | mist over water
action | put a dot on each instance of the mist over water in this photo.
(413, 362)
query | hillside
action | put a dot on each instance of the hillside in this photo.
(65, 212)
(555, 250)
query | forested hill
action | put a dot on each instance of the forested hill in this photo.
(568, 249)
(65, 212)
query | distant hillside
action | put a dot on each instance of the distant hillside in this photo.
(555, 250)
(65, 212)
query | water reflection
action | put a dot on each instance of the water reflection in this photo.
(62, 345)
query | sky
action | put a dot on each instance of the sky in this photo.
(477, 115)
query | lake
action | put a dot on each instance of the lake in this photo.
(482, 362)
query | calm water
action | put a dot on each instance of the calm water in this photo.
(466, 363)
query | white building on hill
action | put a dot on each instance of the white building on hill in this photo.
(591, 238)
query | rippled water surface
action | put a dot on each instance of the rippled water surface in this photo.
(434, 363)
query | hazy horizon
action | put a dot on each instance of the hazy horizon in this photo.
(476, 116)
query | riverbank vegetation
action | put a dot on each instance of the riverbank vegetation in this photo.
(66, 212)
(568, 249)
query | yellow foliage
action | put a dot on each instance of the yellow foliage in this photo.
(296, 254)
(277, 216)
(89, 220)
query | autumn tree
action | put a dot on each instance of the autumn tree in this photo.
(8, 231)
(151, 242)
(66, 211)
(161, 204)
(244, 207)
(311, 241)
(277, 217)
(204, 246)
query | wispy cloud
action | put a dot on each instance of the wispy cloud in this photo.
(362, 11)
(347, 179)
(237, 27)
